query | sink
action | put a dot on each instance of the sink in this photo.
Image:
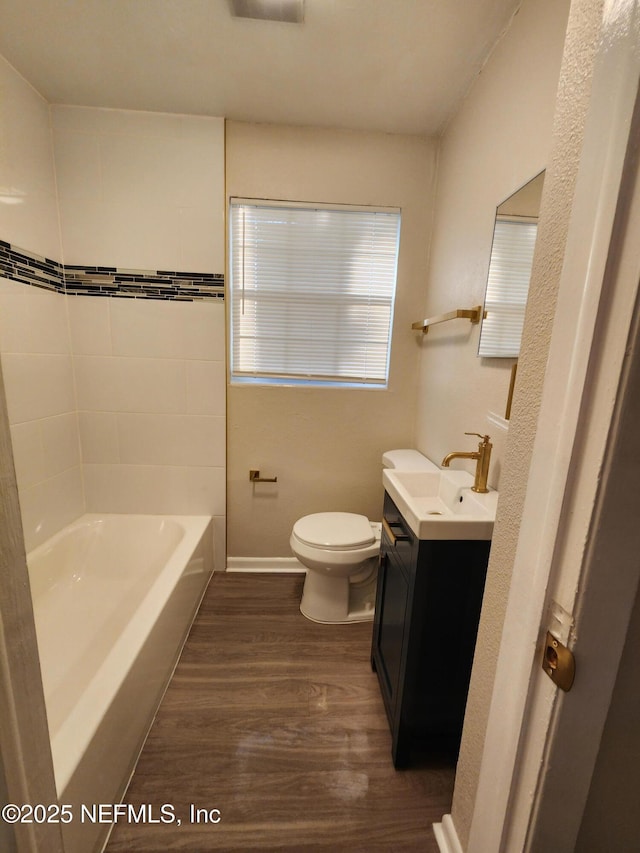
(441, 505)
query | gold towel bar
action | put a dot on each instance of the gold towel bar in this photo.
(473, 314)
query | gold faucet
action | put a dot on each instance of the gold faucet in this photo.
(482, 456)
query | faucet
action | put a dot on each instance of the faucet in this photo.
(482, 456)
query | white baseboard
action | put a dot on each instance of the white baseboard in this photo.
(446, 836)
(281, 565)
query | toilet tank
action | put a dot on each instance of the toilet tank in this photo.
(407, 460)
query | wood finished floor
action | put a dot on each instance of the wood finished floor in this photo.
(279, 724)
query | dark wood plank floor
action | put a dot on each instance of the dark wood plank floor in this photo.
(279, 724)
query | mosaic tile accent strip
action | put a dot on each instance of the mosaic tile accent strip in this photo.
(143, 284)
(28, 268)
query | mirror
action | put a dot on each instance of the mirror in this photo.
(514, 239)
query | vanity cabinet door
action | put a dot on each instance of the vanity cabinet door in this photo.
(428, 604)
(394, 592)
(392, 621)
(446, 610)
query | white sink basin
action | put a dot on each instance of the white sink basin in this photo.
(441, 505)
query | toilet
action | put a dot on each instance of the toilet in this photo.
(341, 551)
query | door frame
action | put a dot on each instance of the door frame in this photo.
(559, 581)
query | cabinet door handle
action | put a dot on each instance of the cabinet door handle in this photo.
(393, 537)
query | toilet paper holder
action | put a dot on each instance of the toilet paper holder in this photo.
(254, 476)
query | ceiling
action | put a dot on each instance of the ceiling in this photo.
(400, 66)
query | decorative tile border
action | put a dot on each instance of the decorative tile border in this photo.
(28, 268)
(77, 280)
(142, 284)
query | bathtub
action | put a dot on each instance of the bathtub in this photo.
(114, 597)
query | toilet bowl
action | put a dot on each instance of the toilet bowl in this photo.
(340, 551)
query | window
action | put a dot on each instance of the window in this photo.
(312, 291)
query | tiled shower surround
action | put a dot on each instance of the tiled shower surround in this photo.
(115, 404)
(28, 268)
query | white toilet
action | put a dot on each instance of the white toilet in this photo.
(341, 551)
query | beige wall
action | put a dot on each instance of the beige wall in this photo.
(324, 445)
(498, 141)
(535, 23)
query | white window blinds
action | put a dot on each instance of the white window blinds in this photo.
(312, 292)
(507, 287)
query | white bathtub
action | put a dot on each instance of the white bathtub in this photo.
(114, 597)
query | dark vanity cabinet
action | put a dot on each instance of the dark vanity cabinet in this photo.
(426, 619)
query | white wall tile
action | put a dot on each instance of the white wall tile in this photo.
(138, 123)
(28, 453)
(206, 491)
(14, 316)
(132, 237)
(202, 330)
(99, 437)
(135, 488)
(45, 448)
(37, 386)
(145, 422)
(101, 120)
(155, 489)
(36, 515)
(146, 328)
(144, 172)
(89, 324)
(84, 233)
(27, 118)
(61, 443)
(33, 224)
(218, 327)
(130, 384)
(48, 322)
(126, 209)
(198, 252)
(139, 236)
(219, 543)
(156, 329)
(171, 440)
(32, 320)
(198, 176)
(26, 168)
(78, 173)
(137, 191)
(206, 387)
(50, 505)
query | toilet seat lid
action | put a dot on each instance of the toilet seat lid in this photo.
(334, 530)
